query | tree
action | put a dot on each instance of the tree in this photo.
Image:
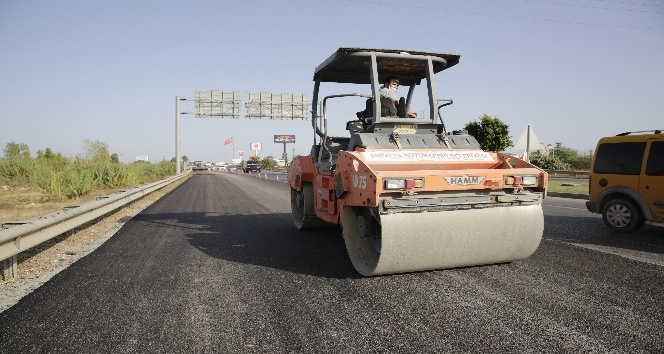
(115, 158)
(14, 150)
(268, 163)
(184, 159)
(46, 154)
(490, 132)
(96, 151)
(55, 160)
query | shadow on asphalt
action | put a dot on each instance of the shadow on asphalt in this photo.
(271, 240)
(267, 240)
(592, 231)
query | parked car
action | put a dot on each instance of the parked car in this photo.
(626, 182)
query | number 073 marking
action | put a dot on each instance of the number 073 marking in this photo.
(359, 181)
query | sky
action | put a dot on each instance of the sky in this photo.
(85, 70)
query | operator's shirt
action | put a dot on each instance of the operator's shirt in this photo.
(386, 92)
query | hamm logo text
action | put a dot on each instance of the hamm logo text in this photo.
(464, 180)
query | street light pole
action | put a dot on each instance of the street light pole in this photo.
(177, 135)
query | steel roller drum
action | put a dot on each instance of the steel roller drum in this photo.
(444, 239)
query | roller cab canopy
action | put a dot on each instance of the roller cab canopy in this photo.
(353, 65)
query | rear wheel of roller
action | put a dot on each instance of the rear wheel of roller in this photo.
(302, 209)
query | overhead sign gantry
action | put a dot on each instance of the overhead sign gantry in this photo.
(228, 104)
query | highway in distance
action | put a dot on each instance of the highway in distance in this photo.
(216, 266)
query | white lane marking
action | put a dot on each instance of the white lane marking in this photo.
(563, 207)
(640, 256)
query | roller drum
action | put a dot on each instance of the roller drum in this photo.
(411, 242)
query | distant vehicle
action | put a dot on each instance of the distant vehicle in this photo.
(198, 166)
(627, 180)
(251, 166)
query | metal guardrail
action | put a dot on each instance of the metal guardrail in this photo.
(568, 174)
(16, 237)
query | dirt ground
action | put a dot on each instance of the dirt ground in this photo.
(37, 265)
(21, 203)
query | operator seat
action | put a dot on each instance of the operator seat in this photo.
(387, 108)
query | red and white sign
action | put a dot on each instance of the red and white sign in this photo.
(240, 153)
(256, 146)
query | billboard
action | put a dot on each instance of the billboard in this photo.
(216, 103)
(283, 138)
(276, 105)
(255, 146)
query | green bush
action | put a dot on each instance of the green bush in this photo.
(48, 182)
(549, 162)
(58, 177)
(71, 183)
(148, 172)
(76, 182)
(575, 159)
(581, 162)
(110, 175)
(16, 171)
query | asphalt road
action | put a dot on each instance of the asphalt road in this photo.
(216, 266)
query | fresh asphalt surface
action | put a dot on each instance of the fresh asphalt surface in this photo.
(216, 266)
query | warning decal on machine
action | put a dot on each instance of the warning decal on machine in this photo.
(434, 156)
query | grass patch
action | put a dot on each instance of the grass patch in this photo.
(28, 187)
(568, 187)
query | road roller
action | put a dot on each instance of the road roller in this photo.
(407, 194)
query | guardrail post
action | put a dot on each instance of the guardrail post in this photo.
(10, 265)
(9, 268)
